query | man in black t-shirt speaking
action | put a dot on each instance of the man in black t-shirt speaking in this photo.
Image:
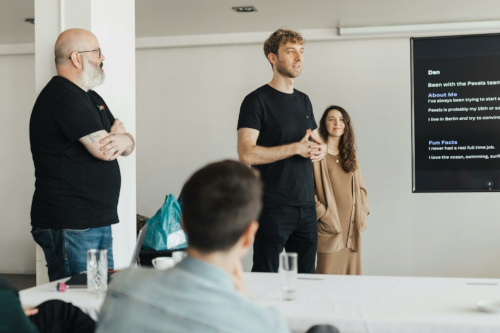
(274, 127)
(75, 141)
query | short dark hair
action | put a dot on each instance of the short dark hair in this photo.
(219, 203)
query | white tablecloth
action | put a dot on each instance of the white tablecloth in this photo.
(368, 304)
(89, 303)
(382, 304)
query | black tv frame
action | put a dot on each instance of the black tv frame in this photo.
(413, 158)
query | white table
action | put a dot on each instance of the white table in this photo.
(374, 304)
(368, 304)
(89, 303)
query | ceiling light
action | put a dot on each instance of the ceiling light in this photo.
(30, 20)
(245, 9)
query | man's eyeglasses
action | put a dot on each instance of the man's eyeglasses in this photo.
(97, 50)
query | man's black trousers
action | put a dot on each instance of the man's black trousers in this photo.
(290, 227)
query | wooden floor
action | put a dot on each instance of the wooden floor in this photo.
(21, 281)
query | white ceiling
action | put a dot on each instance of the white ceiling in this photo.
(194, 17)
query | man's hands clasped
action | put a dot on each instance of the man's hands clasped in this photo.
(314, 150)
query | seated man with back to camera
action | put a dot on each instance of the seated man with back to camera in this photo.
(205, 292)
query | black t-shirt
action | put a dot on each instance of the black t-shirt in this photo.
(73, 189)
(281, 119)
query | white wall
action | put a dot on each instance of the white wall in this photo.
(188, 104)
(17, 96)
(187, 112)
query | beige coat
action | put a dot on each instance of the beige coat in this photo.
(329, 229)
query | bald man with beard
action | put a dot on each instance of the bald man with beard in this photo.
(75, 141)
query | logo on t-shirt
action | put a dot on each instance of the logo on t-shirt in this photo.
(101, 107)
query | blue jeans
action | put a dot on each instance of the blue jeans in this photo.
(66, 249)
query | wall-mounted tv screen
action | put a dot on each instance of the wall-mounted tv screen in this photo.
(456, 113)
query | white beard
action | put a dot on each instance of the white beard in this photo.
(92, 76)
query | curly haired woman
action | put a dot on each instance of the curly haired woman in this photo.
(341, 203)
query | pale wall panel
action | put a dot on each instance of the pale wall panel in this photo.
(17, 96)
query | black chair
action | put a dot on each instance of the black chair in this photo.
(323, 329)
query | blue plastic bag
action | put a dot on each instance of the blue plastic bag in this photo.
(164, 228)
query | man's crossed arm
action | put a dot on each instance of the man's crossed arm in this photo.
(108, 146)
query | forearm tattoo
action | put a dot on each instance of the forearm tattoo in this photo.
(93, 136)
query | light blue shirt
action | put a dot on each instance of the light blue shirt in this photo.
(194, 296)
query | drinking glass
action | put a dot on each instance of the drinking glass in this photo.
(288, 272)
(97, 271)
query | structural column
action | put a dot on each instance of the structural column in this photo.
(113, 23)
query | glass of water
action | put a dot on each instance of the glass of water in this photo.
(288, 272)
(97, 271)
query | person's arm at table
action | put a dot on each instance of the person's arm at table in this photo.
(12, 316)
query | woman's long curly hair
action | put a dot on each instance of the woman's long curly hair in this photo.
(347, 145)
